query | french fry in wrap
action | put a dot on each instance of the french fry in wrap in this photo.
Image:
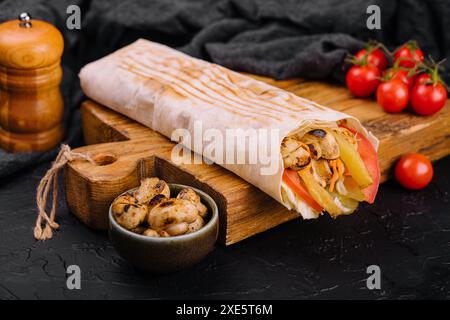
(310, 158)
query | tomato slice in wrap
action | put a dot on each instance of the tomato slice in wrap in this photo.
(292, 180)
(370, 158)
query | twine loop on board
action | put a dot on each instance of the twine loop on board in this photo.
(45, 224)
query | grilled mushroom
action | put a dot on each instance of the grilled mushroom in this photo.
(164, 234)
(295, 153)
(323, 142)
(139, 229)
(128, 213)
(119, 204)
(151, 233)
(196, 225)
(191, 195)
(177, 229)
(172, 211)
(156, 200)
(150, 187)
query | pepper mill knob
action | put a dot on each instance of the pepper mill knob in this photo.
(25, 20)
(31, 105)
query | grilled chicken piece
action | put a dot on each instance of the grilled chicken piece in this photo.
(295, 154)
(321, 172)
(323, 144)
(315, 150)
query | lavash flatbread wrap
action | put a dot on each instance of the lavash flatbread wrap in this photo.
(306, 155)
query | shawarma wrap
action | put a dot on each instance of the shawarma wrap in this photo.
(310, 158)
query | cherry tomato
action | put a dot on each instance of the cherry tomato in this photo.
(422, 79)
(375, 58)
(362, 81)
(401, 75)
(427, 99)
(393, 95)
(414, 171)
(408, 55)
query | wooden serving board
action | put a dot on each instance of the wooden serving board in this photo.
(126, 151)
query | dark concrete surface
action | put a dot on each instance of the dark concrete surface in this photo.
(406, 233)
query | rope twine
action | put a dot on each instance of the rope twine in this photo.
(45, 224)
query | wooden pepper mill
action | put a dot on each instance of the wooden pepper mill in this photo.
(31, 105)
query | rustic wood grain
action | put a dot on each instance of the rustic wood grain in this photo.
(128, 151)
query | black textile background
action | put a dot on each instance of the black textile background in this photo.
(281, 39)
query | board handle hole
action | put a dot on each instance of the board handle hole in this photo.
(104, 159)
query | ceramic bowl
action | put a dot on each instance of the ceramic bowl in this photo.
(167, 254)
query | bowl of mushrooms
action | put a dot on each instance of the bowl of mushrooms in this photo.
(163, 227)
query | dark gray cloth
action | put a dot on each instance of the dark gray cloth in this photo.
(281, 39)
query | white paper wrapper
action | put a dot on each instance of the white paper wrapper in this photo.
(166, 90)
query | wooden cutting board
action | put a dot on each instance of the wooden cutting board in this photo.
(126, 151)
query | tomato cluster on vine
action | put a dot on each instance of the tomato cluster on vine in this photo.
(410, 80)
